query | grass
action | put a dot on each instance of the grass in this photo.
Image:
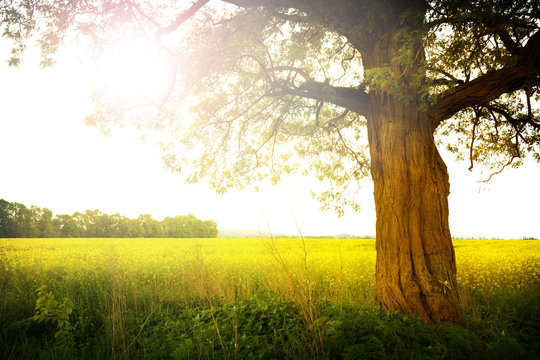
(251, 298)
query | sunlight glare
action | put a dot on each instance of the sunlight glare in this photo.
(135, 71)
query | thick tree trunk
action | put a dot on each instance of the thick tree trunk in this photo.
(416, 267)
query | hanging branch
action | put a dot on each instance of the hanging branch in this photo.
(473, 137)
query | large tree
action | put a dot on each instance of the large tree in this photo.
(263, 87)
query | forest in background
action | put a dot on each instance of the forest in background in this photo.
(19, 221)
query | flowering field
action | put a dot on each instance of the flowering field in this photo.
(129, 291)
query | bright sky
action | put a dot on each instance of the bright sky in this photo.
(49, 158)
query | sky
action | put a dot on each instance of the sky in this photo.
(50, 158)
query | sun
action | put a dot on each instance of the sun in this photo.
(135, 70)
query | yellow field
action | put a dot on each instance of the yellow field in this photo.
(237, 268)
(249, 298)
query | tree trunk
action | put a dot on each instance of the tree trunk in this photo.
(416, 267)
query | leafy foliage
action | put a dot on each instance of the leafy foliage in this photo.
(471, 39)
(244, 123)
(256, 86)
(50, 310)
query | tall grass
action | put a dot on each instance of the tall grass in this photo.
(238, 298)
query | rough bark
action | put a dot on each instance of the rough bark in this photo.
(416, 267)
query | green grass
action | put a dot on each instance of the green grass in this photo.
(251, 298)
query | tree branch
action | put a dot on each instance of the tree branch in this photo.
(294, 69)
(348, 148)
(349, 98)
(491, 85)
(500, 170)
(509, 43)
(473, 137)
(512, 120)
(448, 75)
(181, 18)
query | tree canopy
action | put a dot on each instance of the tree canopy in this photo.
(256, 84)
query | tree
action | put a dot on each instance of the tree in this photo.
(211, 230)
(68, 226)
(24, 221)
(151, 228)
(105, 226)
(269, 79)
(126, 227)
(44, 223)
(177, 227)
(79, 224)
(6, 219)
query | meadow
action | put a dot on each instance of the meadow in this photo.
(251, 298)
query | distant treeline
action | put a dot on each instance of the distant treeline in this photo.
(18, 221)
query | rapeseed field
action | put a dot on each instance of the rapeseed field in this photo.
(249, 298)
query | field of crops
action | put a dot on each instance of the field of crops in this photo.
(251, 298)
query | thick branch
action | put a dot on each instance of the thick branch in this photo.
(491, 85)
(181, 18)
(349, 98)
(349, 31)
(509, 43)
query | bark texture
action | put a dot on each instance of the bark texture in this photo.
(416, 267)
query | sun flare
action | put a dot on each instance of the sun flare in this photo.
(135, 70)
